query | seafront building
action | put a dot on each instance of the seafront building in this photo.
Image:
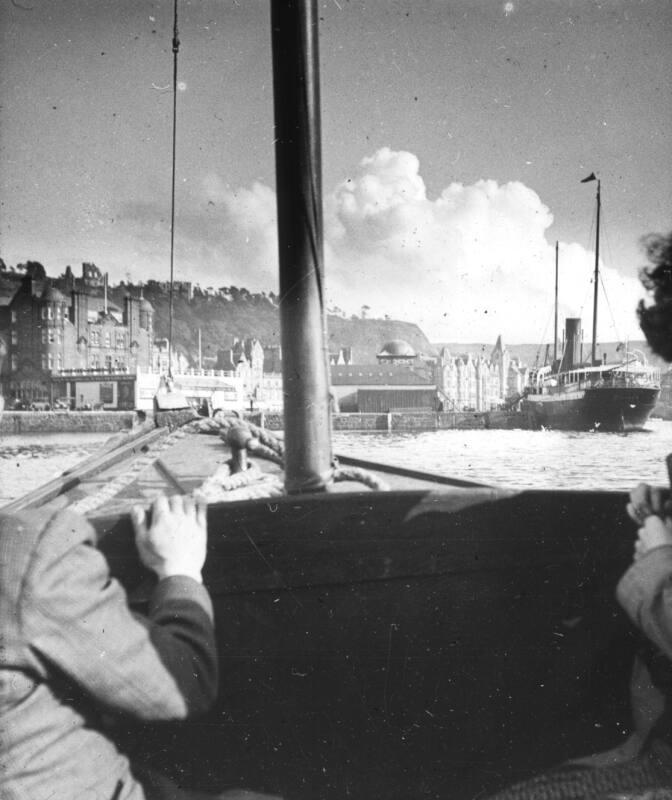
(67, 343)
(80, 349)
(404, 380)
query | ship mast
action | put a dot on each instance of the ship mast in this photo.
(597, 274)
(296, 93)
(176, 49)
(555, 326)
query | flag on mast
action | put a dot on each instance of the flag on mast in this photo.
(590, 178)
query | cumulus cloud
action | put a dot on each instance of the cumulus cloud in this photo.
(468, 265)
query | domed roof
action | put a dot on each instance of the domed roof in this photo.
(397, 348)
(145, 305)
(52, 295)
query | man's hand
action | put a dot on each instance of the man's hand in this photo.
(175, 542)
(646, 500)
(655, 532)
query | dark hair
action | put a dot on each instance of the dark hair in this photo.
(656, 320)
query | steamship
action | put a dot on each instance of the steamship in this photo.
(571, 395)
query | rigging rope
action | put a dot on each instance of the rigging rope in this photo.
(176, 48)
(243, 434)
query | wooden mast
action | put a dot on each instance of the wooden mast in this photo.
(555, 325)
(597, 275)
(296, 94)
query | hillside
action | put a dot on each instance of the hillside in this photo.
(237, 313)
(231, 313)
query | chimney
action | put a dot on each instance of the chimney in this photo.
(572, 355)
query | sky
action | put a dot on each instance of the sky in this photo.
(455, 133)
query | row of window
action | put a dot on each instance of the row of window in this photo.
(117, 364)
(52, 336)
(49, 336)
(55, 336)
(52, 312)
(48, 361)
(47, 313)
(51, 361)
(96, 338)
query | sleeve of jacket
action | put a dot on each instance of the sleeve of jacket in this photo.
(75, 617)
(645, 592)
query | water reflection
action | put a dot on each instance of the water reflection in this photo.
(525, 459)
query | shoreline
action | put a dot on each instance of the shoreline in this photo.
(15, 423)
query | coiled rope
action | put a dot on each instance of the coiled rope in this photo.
(244, 437)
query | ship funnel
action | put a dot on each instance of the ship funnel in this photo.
(572, 356)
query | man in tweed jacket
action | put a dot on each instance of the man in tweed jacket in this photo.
(71, 648)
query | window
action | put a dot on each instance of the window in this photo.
(95, 337)
(108, 363)
(15, 337)
(50, 361)
(107, 339)
(44, 361)
(15, 363)
(59, 361)
(44, 312)
(50, 312)
(107, 393)
(120, 341)
(14, 316)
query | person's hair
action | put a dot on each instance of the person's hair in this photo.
(656, 320)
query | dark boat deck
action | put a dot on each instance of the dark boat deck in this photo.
(435, 640)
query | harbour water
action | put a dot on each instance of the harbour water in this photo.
(28, 461)
(513, 459)
(525, 459)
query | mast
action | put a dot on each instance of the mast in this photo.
(296, 94)
(555, 325)
(176, 49)
(596, 277)
(597, 274)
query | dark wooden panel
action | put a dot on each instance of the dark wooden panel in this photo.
(405, 644)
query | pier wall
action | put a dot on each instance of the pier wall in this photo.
(27, 422)
(391, 422)
(14, 423)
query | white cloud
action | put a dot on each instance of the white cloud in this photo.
(471, 264)
(467, 266)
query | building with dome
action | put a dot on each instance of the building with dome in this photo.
(400, 380)
(75, 344)
(396, 351)
(403, 380)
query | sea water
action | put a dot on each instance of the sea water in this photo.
(30, 460)
(525, 459)
(510, 459)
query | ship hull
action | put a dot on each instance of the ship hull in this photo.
(597, 408)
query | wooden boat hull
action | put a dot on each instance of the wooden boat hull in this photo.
(395, 645)
(611, 409)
